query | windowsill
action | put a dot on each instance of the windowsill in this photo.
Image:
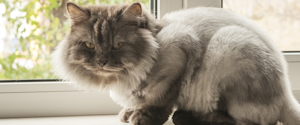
(30, 87)
(292, 57)
(43, 99)
(70, 120)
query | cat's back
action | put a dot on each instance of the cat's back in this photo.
(200, 17)
(201, 23)
(197, 15)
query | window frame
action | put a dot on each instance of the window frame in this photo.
(58, 98)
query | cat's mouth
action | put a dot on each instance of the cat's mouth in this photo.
(112, 69)
(109, 69)
(106, 70)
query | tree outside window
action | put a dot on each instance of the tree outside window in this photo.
(30, 30)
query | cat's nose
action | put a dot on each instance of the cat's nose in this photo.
(102, 62)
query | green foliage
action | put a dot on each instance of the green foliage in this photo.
(45, 30)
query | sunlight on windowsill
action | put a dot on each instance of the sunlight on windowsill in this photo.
(70, 120)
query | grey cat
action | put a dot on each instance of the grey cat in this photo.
(210, 65)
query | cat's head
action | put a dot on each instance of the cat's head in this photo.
(106, 42)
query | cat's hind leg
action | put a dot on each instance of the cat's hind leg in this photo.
(181, 117)
(244, 123)
(215, 118)
(249, 73)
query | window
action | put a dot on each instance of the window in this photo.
(279, 18)
(19, 60)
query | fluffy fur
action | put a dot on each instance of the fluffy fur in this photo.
(212, 65)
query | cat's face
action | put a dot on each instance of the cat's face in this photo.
(106, 40)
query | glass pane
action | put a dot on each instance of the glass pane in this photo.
(279, 18)
(29, 30)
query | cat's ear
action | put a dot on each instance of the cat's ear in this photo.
(76, 13)
(134, 10)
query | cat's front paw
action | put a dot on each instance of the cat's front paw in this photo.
(124, 115)
(142, 117)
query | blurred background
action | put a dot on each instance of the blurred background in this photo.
(30, 29)
(279, 18)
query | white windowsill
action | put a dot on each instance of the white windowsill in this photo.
(292, 57)
(72, 120)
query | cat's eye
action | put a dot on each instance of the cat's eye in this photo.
(89, 45)
(118, 45)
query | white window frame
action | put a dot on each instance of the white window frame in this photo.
(53, 98)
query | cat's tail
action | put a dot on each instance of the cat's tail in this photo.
(291, 112)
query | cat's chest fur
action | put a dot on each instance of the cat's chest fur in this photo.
(128, 96)
(161, 83)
